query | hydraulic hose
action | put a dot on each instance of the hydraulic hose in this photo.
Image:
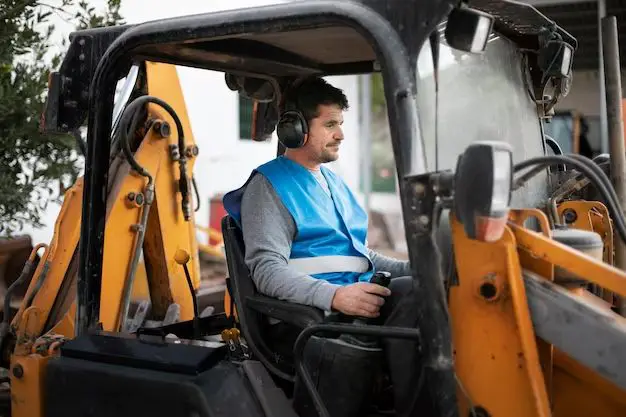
(595, 174)
(141, 227)
(27, 272)
(183, 182)
(196, 192)
(131, 116)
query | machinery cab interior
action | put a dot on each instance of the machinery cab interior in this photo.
(513, 284)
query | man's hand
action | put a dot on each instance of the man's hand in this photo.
(360, 299)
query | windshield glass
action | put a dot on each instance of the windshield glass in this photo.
(481, 97)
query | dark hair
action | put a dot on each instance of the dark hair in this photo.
(307, 95)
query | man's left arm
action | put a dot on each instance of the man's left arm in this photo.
(396, 267)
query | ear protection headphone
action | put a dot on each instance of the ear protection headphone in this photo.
(292, 128)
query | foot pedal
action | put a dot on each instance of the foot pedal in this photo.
(132, 324)
(172, 315)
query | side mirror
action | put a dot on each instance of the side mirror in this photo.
(555, 58)
(468, 29)
(264, 98)
(258, 89)
(482, 189)
(264, 120)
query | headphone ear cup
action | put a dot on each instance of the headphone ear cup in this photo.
(292, 129)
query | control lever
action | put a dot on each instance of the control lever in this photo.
(182, 258)
(382, 278)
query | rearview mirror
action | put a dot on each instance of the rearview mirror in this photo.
(468, 29)
(482, 189)
(555, 58)
(258, 89)
(264, 120)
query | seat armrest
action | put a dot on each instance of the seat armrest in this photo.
(297, 314)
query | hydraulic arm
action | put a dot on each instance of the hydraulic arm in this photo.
(149, 217)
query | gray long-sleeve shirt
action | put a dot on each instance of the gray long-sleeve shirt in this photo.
(268, 231)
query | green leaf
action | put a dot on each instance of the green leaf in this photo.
(35, 169)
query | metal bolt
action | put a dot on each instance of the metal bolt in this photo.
(136, 199)
(174, 152)
(162, 128)
(419, 188)
(423, 219)
(570, 215)
(191, 151)
(18, 371)
(479, 412)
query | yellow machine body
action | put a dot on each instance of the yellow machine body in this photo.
(501, 363)
(41, 325)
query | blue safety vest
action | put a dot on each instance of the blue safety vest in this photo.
(331, 232)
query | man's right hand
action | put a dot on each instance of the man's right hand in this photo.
(361, 299)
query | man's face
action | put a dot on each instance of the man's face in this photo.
(325, 134)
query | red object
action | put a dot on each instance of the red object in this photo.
(490, 229)
(216, 214)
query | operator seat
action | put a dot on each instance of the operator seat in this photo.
(253, 308)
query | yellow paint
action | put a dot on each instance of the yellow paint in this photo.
(153, 153)
(58, 263)
(27, 392)
(582, 265)
(496, 362)
(546, 270)
(177, 233)
(57, 258)
(574, 390)
(580, 392)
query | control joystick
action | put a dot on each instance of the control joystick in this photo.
(382, 278)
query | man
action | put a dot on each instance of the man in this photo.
(305, 233)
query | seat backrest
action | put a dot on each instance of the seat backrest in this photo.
(241, 287)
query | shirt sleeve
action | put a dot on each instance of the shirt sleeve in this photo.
(396, 267)
(268, 231)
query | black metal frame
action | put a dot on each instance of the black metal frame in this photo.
(396, 51)
(396, 71)
(352, 329)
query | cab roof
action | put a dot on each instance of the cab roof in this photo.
(323, 47)
(280, 41)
